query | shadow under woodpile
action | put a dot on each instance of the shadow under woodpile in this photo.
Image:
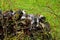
(23, 26)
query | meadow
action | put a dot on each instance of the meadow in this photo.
(49, 8)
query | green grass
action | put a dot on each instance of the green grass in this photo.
(38, 7)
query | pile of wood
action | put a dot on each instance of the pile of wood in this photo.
(13, 23)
